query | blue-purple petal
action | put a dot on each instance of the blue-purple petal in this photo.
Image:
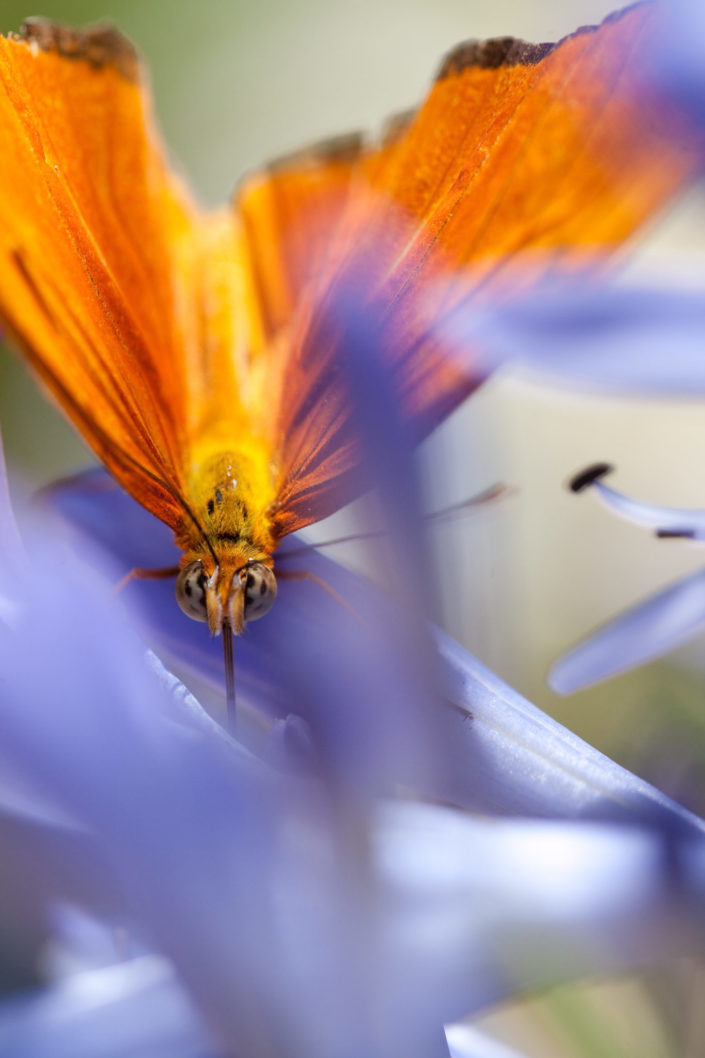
(507, 756)
(134, 1008)
(467, 1042)
(101, 743)
(304, 658)
(521, 762)
(653, 627)
(10, 543)
(517, 905)
(289, 915)
(592, 334)
(678, 61)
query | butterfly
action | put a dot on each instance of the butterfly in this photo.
(187, 347)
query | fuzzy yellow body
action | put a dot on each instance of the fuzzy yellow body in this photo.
(231, 494)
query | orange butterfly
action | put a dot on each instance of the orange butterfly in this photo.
(186, 347)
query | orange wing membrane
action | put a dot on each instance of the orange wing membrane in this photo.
(289, 213)
(90, 224)
(195, 352)
(523, 159)
(522, 146)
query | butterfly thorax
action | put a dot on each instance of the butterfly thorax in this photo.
(227, 547)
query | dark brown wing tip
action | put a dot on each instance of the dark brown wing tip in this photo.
(342, 150)
(491, 54)
(396, 126)
(509, 51)
(99, 45)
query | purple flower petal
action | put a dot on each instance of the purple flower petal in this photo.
(591, 334)
(226, 872)
(509, 757)
(519, 761)
(67, 864)
(10, 543)
(97, 737)
(82, 941)
(288, 913)
(368, 726)
(467, 1042)
(651, 628)
(520, 905)
(134, 1008)
(679, 60)
(20, 799)
(471, 911)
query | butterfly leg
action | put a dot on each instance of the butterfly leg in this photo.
(145, 574)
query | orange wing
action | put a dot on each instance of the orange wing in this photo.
(289, 213)
(100, 254)
(150, 322)
(520, 152)
(527, 146)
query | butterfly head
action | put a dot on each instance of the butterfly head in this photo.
(229, 592)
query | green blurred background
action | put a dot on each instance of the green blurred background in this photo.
(238, 83)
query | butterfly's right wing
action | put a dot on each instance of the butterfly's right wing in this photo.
(523, 159)
(290, 213)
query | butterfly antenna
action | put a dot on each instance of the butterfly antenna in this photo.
(229, 674)
(293, 552)
(494, 492)
(476, 502)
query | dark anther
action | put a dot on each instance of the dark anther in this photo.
(211, 506)
(589, 476)
(218, 496)
(673, 534)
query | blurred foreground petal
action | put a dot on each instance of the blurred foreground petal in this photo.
(289, 917)
(11, 550)
(366, 685)
(678, 64)
(508, 756)
(133, 1009)
(466, 1042)
(523, 904)
(592, 334)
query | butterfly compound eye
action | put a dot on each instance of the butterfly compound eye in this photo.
(260, 586)
(191, 591)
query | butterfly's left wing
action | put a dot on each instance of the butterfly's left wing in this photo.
(88, 216)
(523, 159)
(131, 304)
